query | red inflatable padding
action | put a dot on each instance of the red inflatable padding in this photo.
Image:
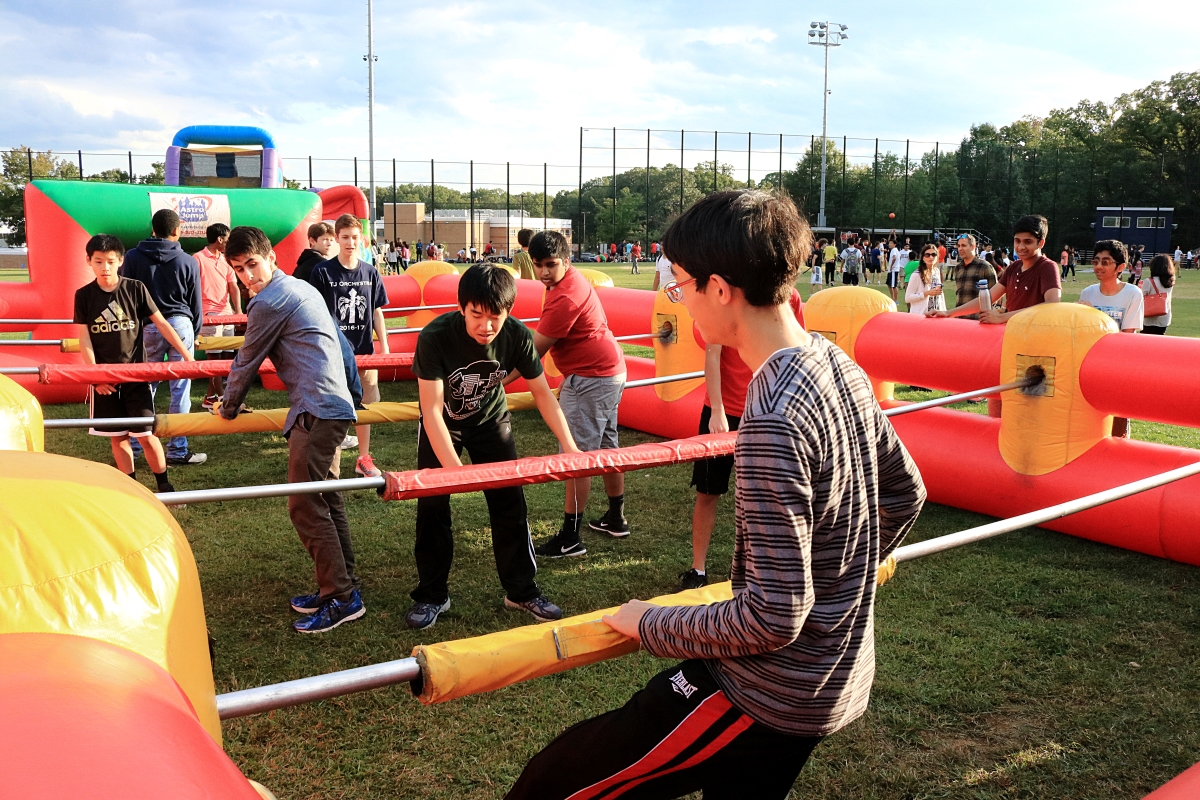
(225, 319)
(53, 279)
(443, 289)
(83, 718)
(554, 468)
(629, 311)
(960, 462)
(1185, 786)
(179, 370)
(643, 410)
(954, 355)
(1144, 377)
(344, 199)
(403, 291)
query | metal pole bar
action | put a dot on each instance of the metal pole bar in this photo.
(471, 186)
(904, 218)
(432, 204)
(942, 543)
(421, 308)
(957, 398)
(269, 490)
(824, 123)
(634, 336)
(29, 155)
(81, 176)
(319, 687)
(394, 201)
(683, 376)
(545, 194)
(110, 422)
(780, 186)
(578, 199)
(936, 157)
(646, 202)
(614, 187)
(749, 157)
(875, 197)
(310, 177)
(716, 136)
(508, 201)
(19, 371)
(28, 342)
(681, 138)
(35, 321)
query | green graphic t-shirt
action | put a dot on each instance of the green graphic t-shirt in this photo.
(473, 373)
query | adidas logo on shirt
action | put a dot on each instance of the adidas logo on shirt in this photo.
(113, 320)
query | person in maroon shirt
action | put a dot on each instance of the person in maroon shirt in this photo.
(1033, 281)
(574, 330)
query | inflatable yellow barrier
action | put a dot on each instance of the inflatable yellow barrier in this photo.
(839, 315)
(84, 550)
(676, 350)
(202, 424)
(595, 277)
(20, 418)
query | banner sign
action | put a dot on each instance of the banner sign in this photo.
(196, 211)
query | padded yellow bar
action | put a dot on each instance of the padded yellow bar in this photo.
(20, 418)
(677, 353)
(166, 425)
(86, 551)
(450, 670)
(69, 346)
(220, 342)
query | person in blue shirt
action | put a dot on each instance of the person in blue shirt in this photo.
(287, 321)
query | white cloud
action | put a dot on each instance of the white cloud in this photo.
(734, 34)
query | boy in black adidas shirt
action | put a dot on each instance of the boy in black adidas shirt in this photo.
(111, 312)
(461, 363)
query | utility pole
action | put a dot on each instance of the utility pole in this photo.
(370, 58)
(824, 35)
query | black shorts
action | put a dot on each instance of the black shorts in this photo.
(711, 476)
(850, 278)
(893, 280)
(129, 400)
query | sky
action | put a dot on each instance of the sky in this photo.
(514, 81)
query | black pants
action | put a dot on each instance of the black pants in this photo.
(1159, 330)
(511, 543)
(678, 735)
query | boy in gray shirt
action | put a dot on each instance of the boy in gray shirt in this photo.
(288, 322)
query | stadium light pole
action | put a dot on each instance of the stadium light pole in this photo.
(827, 35)
(371, 58)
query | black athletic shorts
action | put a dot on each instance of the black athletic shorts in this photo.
(129, 400)
(893, 280)
(711, 476)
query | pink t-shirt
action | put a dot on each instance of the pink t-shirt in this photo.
(215, 277)
(572, 314)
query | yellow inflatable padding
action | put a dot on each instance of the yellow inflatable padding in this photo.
(1051, 427)
(461, 668)
(421, 272)
(508, 269)
(840, 313)
(166, 425)
(20, 418)
(86, 551)
(480, 664)
(678, 353)
(220, 342)
(595, 277)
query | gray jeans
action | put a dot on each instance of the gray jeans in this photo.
(320, 519)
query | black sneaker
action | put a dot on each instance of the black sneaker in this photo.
(539, 606)
(618, 529)
(306, 603)
(692, 580)
(423, 615)
(188, 459)
(559, 546)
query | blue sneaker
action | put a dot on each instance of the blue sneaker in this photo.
(331, 614)
(306, 603)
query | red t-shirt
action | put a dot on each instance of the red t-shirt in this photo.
(1027, 287)
(572, 314)
(736, 374)
(215, 277)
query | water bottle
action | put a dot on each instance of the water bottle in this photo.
(985, 297)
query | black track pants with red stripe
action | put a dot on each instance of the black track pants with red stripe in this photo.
(678, 735)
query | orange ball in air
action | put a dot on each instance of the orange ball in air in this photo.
(892, 215)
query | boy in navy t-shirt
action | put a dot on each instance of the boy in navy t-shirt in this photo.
(353, 291)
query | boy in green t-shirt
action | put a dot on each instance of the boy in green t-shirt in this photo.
(461, 362)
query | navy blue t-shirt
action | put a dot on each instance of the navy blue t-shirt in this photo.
(352, 296)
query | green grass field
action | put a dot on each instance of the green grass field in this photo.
(1032, 665)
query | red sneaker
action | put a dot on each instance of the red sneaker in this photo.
(365, 466)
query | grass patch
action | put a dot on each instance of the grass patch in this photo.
(1031, 665)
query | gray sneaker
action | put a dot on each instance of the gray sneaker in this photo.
(423, 615)
(188, 459)
(539, 606)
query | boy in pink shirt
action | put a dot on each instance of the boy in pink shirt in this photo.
(218, 295)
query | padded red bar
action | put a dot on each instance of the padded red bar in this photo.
(178, 370)
(553, 468)
(1152, 378)
(225, 319)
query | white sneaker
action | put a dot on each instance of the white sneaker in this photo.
(350, 442)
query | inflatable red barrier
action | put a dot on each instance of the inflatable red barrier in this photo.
(1185, 786)
(1121, 375)
(552, 468)
(178, 370)
(949, 354)
(84, 718)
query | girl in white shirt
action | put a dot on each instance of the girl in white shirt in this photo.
(924, 292)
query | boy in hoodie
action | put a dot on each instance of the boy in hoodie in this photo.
(322, 246)
(173, 278)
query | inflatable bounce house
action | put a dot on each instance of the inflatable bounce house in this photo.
(105, 617)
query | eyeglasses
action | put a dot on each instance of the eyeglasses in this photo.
(1103, 262)
(674, 289)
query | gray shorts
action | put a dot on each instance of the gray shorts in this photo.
(590, 406)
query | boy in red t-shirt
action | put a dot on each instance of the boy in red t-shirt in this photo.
(574, 329)
(726, 378)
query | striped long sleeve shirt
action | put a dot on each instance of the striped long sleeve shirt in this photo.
(825, 491)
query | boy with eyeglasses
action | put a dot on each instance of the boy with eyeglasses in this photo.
(825, 492)
(1122, 302)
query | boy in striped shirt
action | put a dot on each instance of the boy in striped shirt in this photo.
(825, 492)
